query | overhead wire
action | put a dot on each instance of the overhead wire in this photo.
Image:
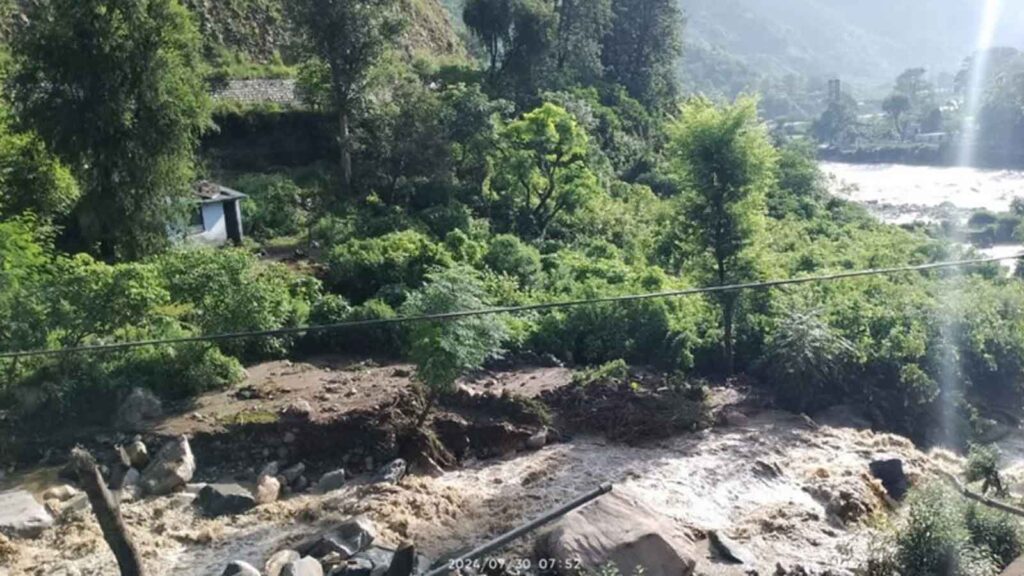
(456, 315)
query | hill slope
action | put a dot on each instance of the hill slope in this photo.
(867, 42)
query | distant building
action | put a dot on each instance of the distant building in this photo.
(835, 91)
(932, 137)
(216, 217)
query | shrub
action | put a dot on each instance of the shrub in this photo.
(382, 340)
(273, 208)
(804, 361)
(996, 533)
(233, 291)
(328, 309)
(507, 254)
(444, 351)
(983, 466)
(935, 539)
(358, 269)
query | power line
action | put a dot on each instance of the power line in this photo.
(117, 346)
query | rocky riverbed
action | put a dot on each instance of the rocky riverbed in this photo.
(778, 487)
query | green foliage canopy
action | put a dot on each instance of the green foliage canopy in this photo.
(112, 89)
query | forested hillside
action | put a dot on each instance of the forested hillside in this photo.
(866, 43)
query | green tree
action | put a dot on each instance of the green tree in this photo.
(527, 62)
(643, 47)
(491, 22)
(445, 351)
(837, 124)
(727, 162)
(540, 169)
(918, 90)
(897, 106)
(32, 181)
(582, 26)
(114, 88)
(349, 37)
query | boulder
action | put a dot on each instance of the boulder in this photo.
(139, 406)
(890, 471)
(403, 563)
(347, 539)
(620, 529)
(77, 503)
(239, 568)
(331, 481)
(293, 473)
(538, 440)
(171, 470)
(374, 561)
(60, 493)
(268, 489)
(728, 549)
(298, 412)
(391, 473)
(21, 516)
(276, 563)
(223, 499)
(138, 455)
(356, 567)
(305, 567)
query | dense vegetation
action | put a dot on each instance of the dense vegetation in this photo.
(560, 163)
(550, 170)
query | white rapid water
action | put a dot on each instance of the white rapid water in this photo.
(902, 194)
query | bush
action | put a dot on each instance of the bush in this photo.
(358, 269)
(232, 291)
(328, 309)
(510, 255)
(273, 208)
(983, 466)
(382, 340)
(805, 362)
(445, 351)
(936, 540)
(996, 533)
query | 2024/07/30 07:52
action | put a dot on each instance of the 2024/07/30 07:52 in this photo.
(516, 564)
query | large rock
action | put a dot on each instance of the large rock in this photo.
(239, 568)
(619, 529)
(276, 563)
(391, 473)
(890, 471)
(304, 567)
(268, 489)
(223, 499)
(21, 516)
(728, 548)
(137, 454)
(331, 481)
(171, 470)
(138, 407)
(347, 540)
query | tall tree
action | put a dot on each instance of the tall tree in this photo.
(491, 22)
(643, 47)
(540, 169)
(582, 26)
(349, 37)
(897, 106)
(913, 84)
(726, 160)
(115, 89)
(527, 61)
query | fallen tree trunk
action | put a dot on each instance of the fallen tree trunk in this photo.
(985, 500)
(107, 513)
